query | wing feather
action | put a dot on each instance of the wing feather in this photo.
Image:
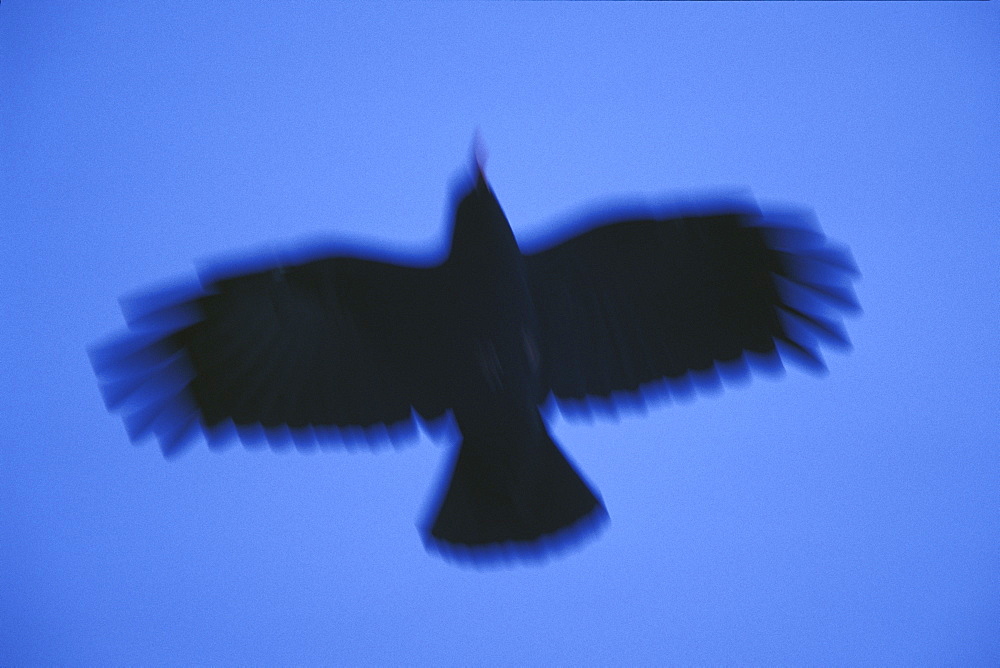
(336, 342)
(636, 301)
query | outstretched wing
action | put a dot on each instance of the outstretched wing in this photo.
(332, 342)
(641, 300)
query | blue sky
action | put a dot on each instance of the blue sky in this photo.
(846, 519)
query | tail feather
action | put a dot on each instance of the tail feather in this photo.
(503, 492)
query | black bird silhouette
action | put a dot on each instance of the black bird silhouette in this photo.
(650, 301)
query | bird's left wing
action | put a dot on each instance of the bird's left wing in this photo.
(334, 342)
(643, 299)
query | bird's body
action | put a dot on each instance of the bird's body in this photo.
(487, 335)
(510, 481)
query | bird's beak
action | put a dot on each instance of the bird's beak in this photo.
(479, 157)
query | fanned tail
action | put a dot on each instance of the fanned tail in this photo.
(510, 489)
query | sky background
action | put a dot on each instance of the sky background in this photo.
(848, 519)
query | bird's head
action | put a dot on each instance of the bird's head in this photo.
(480, 225)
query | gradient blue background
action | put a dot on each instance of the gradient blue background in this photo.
(838, 520)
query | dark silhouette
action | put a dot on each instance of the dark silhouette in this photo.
(319, 344)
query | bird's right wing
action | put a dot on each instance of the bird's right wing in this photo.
(334, 342)
(639, 300)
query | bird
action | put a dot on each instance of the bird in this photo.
(623, 304)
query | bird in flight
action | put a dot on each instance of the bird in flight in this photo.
(621, 305)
